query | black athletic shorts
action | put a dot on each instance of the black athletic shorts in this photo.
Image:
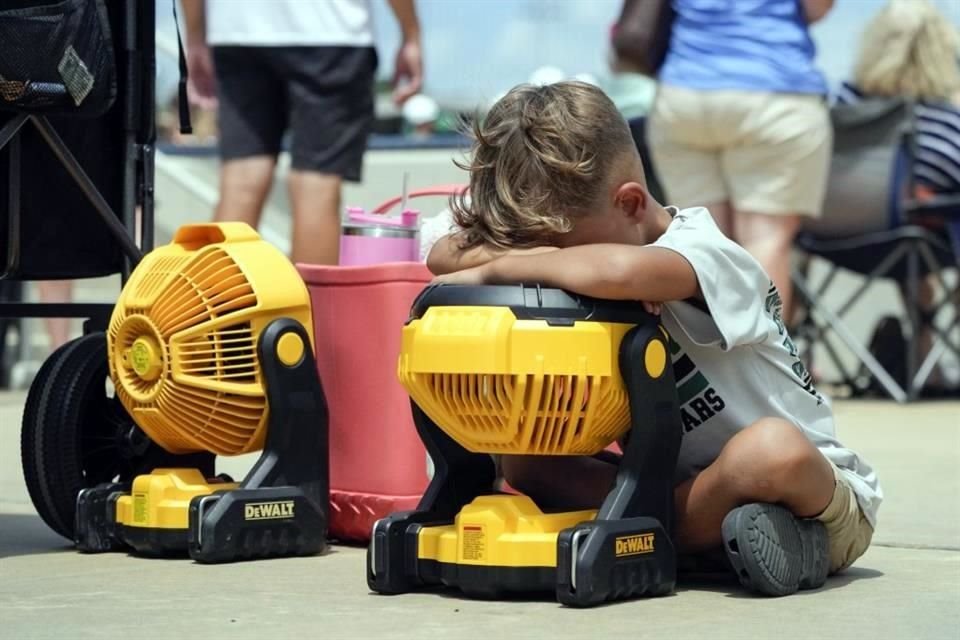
(322, 95)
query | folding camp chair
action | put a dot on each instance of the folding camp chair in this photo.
(872, 171)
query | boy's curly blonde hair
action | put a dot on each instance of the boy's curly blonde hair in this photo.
(541, 156)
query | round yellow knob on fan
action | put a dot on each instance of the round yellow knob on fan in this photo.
(146, 358)
(655, 358)
(290, 349)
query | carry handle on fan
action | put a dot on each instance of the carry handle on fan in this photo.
(196, 236)
(439, 190)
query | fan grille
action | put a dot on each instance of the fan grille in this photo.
(206, 288)
(227, 354)
(209, 395)
(532, 414)
(497, 384)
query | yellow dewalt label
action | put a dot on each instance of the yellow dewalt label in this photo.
(268, 510)
(140, 508)
(474, 541)
(634, 545)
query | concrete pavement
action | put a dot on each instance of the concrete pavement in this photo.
(906, 586)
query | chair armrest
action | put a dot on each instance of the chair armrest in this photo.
(944, 206)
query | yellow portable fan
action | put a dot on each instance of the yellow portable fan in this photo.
(210, 350)
(525, 370)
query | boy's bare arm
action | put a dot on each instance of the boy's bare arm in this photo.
(611, 271)
(446, 256)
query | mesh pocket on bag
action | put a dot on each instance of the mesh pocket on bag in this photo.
(56, 58)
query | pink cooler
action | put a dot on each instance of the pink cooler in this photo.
(377, 462)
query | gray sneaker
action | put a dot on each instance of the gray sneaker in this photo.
(773, 552)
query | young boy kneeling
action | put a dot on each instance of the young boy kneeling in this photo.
(558, 197)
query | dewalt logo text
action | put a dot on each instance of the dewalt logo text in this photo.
(268, 510)
(634, 545)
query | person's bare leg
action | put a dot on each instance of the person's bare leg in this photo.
(560, 482)
(315, 198)
(927, 295)
(769, 239)
(769, 461)
(244, 186)
(723, 215)
(58, 329)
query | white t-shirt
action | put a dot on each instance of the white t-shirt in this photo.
(433, 229)
(737, 364)
(289, 23)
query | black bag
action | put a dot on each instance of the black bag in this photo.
(56, 58)
(61, 236)
(641, 36)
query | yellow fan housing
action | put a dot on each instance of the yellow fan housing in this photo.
(497, 384)
(182, 341)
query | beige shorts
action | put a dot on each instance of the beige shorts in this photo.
(849, 530)
(761, 152)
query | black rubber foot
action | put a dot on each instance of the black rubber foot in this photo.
(96, 530)
(606, 560)
(249, 524)
(392, 557)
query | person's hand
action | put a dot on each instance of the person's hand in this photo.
(652, 307)
(408, 71)
(202, 86)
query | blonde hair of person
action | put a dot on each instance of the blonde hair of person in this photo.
(909, 49)
(542, 155)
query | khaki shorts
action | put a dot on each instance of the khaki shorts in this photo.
(763, 153)
(849, 530)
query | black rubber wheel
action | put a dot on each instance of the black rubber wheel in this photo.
(28, 449)
(76, 434)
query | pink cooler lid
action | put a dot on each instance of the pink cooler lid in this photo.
(315, 274)
(407, 218)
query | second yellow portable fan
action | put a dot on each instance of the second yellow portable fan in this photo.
(527, 370)
(210, 350)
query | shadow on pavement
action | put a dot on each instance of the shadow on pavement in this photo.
(728, 583)
(23, 534)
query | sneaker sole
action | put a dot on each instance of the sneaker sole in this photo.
(773, 552)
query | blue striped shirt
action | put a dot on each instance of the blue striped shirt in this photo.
(750, 45)
(937, 141)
